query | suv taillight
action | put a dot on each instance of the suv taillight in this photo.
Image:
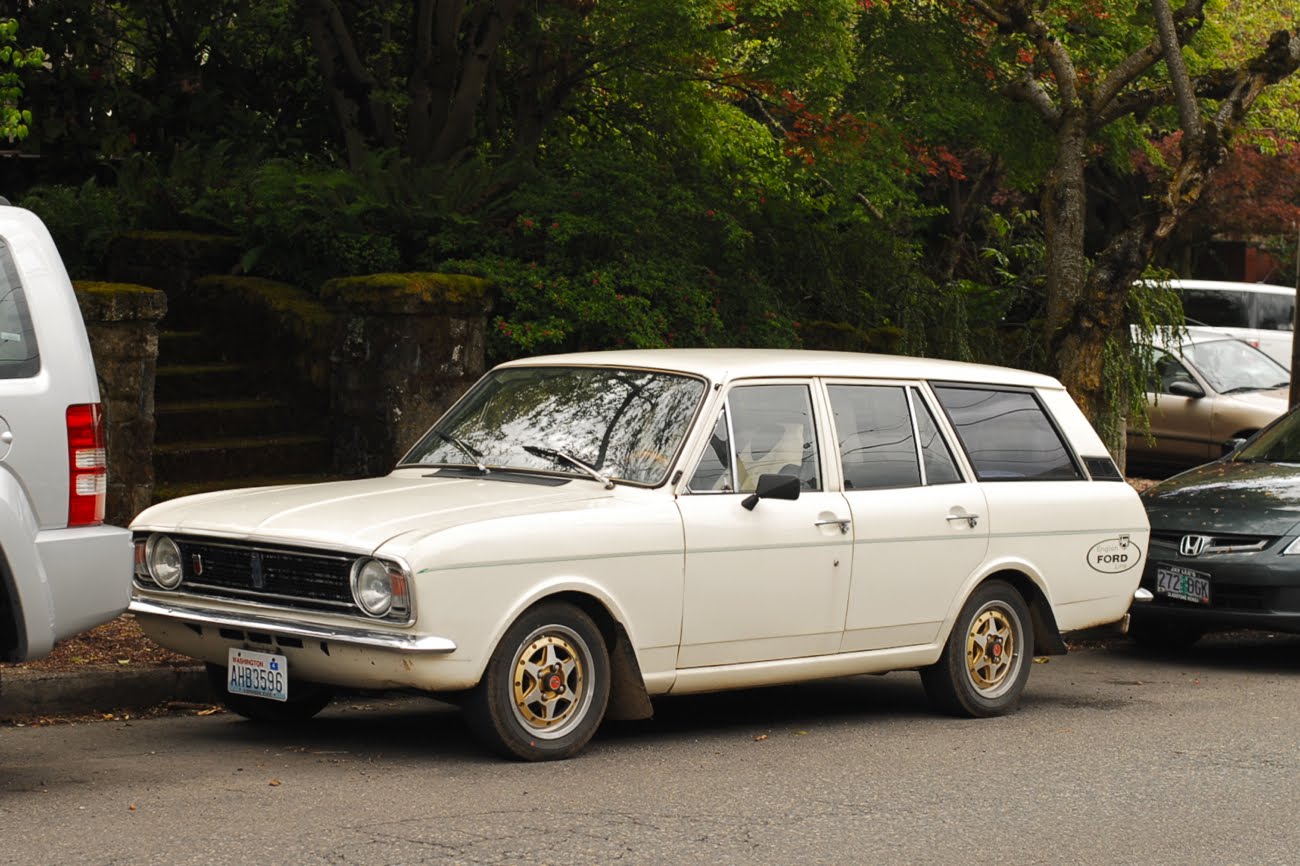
(87, 465)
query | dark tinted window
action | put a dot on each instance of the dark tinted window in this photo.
(874, 429)
(1273, 312)
(1224, 308)
(1006, 434)
(18, 355)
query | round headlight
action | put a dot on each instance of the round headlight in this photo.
(372, 587)
(164, 559)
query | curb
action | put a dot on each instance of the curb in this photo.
(25, 693)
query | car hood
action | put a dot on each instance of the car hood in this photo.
(1275, 400)
(361, 515)
(1230, 497)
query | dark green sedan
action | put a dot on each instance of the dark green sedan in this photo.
(1225, 544)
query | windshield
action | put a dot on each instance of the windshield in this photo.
(1231, 365)
(624, 424)
(1278, 443)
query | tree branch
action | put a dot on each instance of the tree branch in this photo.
(1189, 114)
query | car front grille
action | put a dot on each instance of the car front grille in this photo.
(1167, 542)
(282, 576)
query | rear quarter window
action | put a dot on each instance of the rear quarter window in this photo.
(18, 355)
(1007, 434)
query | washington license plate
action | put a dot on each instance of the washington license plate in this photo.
(1173, 581)
(260, 675)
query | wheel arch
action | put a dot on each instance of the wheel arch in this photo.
(628, 698)
(13, 646)
(1047, 634)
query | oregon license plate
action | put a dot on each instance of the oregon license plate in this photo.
(260, 675)
(1173, 581)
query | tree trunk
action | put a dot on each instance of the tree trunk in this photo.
(1065, 202)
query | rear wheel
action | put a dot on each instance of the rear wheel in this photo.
(986, 660)
(546, 687)
(305, 700)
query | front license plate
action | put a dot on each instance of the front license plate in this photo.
(261, 675)
(1173, 581)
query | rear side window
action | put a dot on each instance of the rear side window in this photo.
(1223, 308)
(18, 356)
(1007, 435)
(880, 429)
(874, 429)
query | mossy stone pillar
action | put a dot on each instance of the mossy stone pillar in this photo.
(122, 323)
(407, 346)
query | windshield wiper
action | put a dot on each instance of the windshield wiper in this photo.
(468, 450)
(566, 457)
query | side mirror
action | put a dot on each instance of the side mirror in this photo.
(1233, 444)
(772, 486)
(1186, 389)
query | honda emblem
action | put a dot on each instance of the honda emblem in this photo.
(1193, 545)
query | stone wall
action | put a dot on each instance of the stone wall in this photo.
(122, 323)
(407, 346)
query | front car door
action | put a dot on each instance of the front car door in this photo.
(772, 582)
(1181, 426)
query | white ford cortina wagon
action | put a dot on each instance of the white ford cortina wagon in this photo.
(581, 533)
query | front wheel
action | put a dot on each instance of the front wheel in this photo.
(305, 700)
(546, 686)
(986, 661)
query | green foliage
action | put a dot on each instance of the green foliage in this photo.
(83, 222)
(15, 121)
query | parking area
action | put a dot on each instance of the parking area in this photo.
(1114, 756)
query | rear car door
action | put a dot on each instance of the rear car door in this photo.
(920, 528)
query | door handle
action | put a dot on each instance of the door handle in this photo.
(843, 524)
(7, 437)
(971, 519)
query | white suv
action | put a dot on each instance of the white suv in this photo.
(61, 569)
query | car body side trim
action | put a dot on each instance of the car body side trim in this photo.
(355, 636)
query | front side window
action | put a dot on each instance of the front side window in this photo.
(1007, 435)
(773, 432)
(1171, 370)
(626, 424)
(18, 356)
(1273, 312)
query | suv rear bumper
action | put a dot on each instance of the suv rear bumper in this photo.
(87, 581)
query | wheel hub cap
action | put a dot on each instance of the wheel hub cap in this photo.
(991, 650)
(548, 681)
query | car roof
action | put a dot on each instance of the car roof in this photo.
(1227, 285)
(726, 364)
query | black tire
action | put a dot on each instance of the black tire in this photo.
(305, 700)
(518, 712)
(1163, 636)
(987, 658)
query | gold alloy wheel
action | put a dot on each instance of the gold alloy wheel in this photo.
(993, 649)
(551, 670)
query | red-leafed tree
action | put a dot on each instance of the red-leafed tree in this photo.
(1107, 77)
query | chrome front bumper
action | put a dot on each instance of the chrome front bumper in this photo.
(361, 637)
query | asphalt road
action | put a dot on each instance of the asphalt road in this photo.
(1114, 757)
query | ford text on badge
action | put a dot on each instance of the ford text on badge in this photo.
(1114, 555)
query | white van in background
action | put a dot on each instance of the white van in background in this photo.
(1261, 314)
